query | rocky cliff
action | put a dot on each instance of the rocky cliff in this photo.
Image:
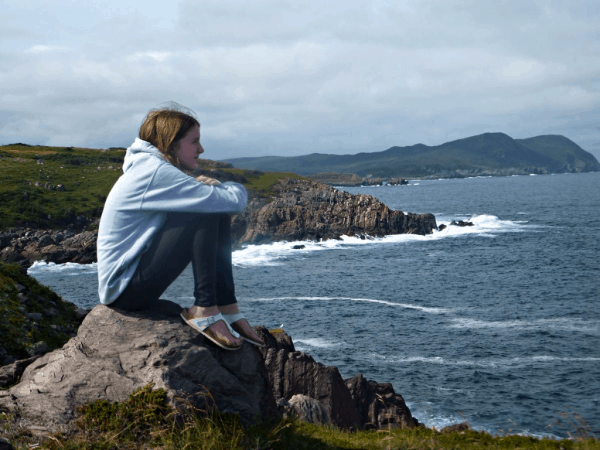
(295, 210)
(116, 352)
(303, 209)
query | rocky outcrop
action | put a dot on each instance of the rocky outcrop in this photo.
(305, 408)
(116, 352)
(460, 223)
(292, 372)
(11, 373)
(351, 403)
(304, 209)
(378, 405)
(353, 180)
(297, 210)
(24, 246)
(396, 181)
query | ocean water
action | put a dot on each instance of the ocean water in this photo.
(497, 324)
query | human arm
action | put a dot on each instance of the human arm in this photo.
(169, 189)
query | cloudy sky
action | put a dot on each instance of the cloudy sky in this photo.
(290, 77)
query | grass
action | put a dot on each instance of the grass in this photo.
(263, 182)
(87, 176)
(146, 420)
(17, 332)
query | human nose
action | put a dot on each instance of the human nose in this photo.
(200, 149)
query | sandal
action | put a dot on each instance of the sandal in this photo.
(203, 324)
(233, 319)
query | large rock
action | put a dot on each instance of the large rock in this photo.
(10, 373)
(292, 372)
(297, 210)
(378, 404)
(306, 409)
(304, 209)
(353, 403)
(115, 353)
(24, 246)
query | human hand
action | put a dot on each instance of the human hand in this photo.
(208, 180)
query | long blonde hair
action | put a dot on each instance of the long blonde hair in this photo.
(163, 127)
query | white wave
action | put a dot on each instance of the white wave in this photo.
(427, 414)
(488, 362)
(426, 309)
(483, 225)
(561, 324)
(314, 343)
(277, 253)
(43, 267)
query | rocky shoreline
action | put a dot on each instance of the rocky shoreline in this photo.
(353, 180)
(116, 352)
(297, 210)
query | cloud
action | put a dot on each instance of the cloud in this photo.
(45, 48)
(288, 77)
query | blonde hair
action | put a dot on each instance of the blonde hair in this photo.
(163, 127)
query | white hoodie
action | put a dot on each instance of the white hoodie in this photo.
(137, 207)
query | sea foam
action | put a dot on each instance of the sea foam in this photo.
(277, 253)
(431, 310)
(43, 267)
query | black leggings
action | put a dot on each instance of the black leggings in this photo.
(203, 239)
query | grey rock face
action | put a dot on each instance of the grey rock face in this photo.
(378, 405)
(292, 372)
(10, 373)
(115, 353)
(307, 409)
(353, 403)
(304, 209)
(52, 246)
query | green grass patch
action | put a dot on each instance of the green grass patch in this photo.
(87, 176)
(17, 331)
(263, 182)
(146, 420)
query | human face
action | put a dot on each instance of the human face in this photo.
(190, 148)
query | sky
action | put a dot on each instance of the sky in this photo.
(292, 77)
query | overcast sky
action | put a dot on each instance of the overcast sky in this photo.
(291, 77)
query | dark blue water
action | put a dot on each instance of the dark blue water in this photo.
(498, 323)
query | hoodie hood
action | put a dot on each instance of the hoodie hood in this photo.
(139, 149)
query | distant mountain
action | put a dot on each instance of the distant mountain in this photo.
(488, 153)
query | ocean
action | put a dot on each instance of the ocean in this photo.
(497, 324)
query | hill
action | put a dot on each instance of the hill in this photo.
(58, 187)
(488, 153)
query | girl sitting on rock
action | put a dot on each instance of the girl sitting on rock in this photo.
(158, 217)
